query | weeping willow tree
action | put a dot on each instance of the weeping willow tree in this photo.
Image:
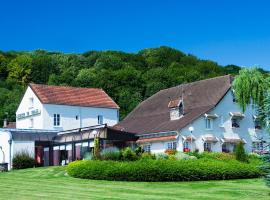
(251, 87)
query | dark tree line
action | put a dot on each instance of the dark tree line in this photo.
(128, 78)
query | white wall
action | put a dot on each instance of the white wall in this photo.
(24, 107)
(226, 105)
(88, 116)
(246, 130)
(4, 138)
(27, 146)
(16, 147)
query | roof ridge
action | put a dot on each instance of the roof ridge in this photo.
(64, 86)
(191, 83)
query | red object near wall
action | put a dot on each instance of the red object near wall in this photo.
(39, 155)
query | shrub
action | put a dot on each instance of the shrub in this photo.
(128, 154)
(23, 160)
(266, 168)
(162, 156)
(162, 170)
(181, 156)
(171, 151)
(147, 156)
(240, 153)
(216, 156)
(111, 153)
(139, 151)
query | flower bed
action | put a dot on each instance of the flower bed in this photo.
(162, 170)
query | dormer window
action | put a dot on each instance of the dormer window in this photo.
(176, 109)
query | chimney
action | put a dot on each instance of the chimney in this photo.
(5, 123)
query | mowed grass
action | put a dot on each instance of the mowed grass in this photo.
(53, 183)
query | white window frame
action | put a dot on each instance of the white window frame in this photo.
(207, 145)
(147, 148)
(257, 146)
(208, 126)
(100, 119)
(171, 145)
(56, 120)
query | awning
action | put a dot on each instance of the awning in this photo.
(237, 115)
(209, 138)
(189, 138)
(233, 140)
(107, 133)
(155, 139)
(211, 116)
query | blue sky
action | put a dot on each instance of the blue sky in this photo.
(226, 31)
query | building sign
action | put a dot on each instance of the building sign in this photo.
(28, 114)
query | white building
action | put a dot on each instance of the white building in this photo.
(65, 108)
(200, 116)
(45, 111)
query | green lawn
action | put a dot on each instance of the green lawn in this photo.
(52, 183)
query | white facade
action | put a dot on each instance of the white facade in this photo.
(32, 114)
(11, 147)
(220, 127)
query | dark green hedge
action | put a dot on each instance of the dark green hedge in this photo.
(162, 170)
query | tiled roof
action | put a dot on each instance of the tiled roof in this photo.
(73, 96)
(153, 114)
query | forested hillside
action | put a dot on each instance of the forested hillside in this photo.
(128, 78)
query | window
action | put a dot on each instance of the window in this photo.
(171, 145)
(208, 123)
(257, 124)
(207, 146)
(100, 119)
(31, 125)
(186, 146)
(56, 119)
(147, 148)
(257, 146)
(31, 102)
(235, 123)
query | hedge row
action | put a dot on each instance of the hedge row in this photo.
(162, 170)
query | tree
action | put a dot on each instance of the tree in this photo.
(20, 69)
(252, 87)
(42, 67)
(240, 153)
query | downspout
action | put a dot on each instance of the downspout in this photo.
(10, 144)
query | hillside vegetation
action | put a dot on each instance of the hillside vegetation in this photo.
(128, 78)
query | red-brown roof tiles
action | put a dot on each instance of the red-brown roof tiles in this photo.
(73, 96)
